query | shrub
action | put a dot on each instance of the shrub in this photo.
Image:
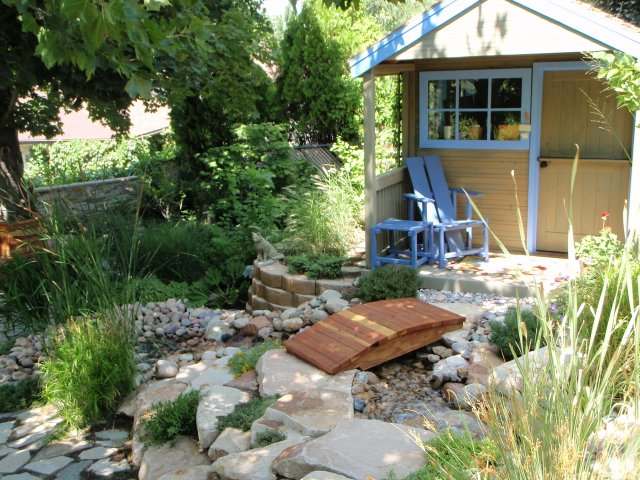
(72, 161)
(152, 289)
(20, 395)
(245, 361)
(264, 439)
(245, 414)
(390, 281)
(91, 367)
(517, 334)
(598, 250)
(316, 266)
(457, 456)
(167, 420)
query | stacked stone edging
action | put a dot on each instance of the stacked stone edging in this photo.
(84, 198)
(274, 288)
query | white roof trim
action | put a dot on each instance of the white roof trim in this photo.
(573, 16)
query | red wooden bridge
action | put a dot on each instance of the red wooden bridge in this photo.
(367, 335)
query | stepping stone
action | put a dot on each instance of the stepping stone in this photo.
(73, 471)
(200, 375)
(48, 466)
(4, 450)
(280, 373)
(231, 440)
(5, 431)
(38, 415)
(61, 448)
(311, 413)
(324, 476)
(28, 440)
(247, 382)
(108, 468)
(357, 449)
(160, 459)
(118, 437)
(253, 464)
(20, 476)
(14, 461)
(216, 401)
(96, 453)
(194, 473)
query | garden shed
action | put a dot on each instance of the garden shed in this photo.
(501, 86)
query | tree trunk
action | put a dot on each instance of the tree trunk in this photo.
(13, 196)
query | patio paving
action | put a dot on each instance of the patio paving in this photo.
(509, 276)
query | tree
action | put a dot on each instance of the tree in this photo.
(67, 53)
(628, 10)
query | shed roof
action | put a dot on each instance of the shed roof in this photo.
(573, 15)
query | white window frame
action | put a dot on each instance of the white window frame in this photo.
(525, 110)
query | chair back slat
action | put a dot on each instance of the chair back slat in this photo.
(421, 187)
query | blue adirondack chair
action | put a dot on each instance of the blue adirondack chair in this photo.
(418, 252)
(450, 232)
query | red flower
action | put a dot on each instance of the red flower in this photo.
(604, 215)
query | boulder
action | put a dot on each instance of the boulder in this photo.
(280, 373)
(292, 324)
(336, 305)
(482, 361)
(450, 369)
(253, 464)
(330, 295)
(507, 379)
(218, 331)
(231, 440)
(317, 315)
(201, 375)
(201, 472)
(247, 382)
(154, 393)
(472, 313)
(216, 401)
(161, 459)
(358, 449)
(442, 352)
(462, 335)
(311, 413)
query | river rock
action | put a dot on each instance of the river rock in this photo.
(166, 369)
(311, 413)
(324, 476)
(216, 401)
(161, 459)
(280, 373)
(357, 449)
(451, 369)
(253, 464)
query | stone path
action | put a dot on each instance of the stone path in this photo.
(29, 450)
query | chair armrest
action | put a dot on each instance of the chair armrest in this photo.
(471, 193)
(414, 197)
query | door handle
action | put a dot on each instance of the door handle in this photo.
(544, 164)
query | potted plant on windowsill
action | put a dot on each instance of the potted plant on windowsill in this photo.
(470, 129)
(510, 129)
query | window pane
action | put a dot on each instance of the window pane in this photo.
(474, 93)
(505, 126)
(506, 93)
(441, 125)
(442, 94)
(473, 125)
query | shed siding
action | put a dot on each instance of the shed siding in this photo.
(498, 27)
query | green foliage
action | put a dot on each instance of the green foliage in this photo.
(264, 439)
(389, 281)
(628, 10)
(454, 456)
(20, 395)
(247, 183)
(90, 366)
(167, 420)
(314, 88)
(598, 250)
(152, 289)
(621, 73)
(245, 414)
(245, 361)
(83, 160)
(317, 266)
(327, 219)
(519, 333)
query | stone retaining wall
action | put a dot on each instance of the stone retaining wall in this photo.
(273, 288)
(85, 198)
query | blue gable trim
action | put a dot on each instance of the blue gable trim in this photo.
(580, 20)
(408, 34)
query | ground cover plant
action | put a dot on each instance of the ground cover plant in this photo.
(389, 281)
(167, 420)
(20, 395)
(316, 266)
(90, 366)
(517, 334)
(246, 360)
(245, 414)
(264, 439)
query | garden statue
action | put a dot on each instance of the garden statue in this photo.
(264, 249)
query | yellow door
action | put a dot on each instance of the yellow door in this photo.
(569, 117)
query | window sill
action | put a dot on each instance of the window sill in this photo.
(477, 144)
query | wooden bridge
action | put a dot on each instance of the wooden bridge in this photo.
(367, 335)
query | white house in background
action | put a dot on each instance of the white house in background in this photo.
(78, 126)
